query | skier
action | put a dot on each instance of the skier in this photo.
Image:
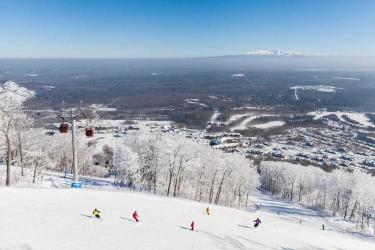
(323, 228)
(208, 211)
(192, 226)
(257, 222)
(96, 213)
(135, 216)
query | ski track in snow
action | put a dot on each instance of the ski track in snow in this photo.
(295, 95)
(250, 117)
(243, 124)
(215, 115)
(361, 118)
(196, 101)
(270, 124)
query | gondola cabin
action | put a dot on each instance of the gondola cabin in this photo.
(64, 127)
(89, 132)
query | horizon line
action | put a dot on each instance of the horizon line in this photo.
(182, 57)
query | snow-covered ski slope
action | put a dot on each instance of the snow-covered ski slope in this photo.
(56, 219)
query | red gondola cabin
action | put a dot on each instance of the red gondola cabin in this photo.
(89, 132)
(64, 127)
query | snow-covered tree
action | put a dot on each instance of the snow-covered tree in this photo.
(12, 99)
(173, 165)
(126, 166)
(347, 194)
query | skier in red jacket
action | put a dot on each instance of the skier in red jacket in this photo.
(192, 226)
(135, 216)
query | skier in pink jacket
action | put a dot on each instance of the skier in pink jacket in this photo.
(192, 226)
(257, 222)
(136, 216)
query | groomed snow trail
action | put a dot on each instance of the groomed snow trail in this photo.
(57, 219)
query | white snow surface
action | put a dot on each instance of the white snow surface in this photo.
(296, 95)
(60, 219)
(361, 118)
(49, 87)
(78, 77)
(195, 101)
(236, 117)
(215, 115)
(270, 124)
(250, 107)
(243, 125)
(101, 107)
(321, 88)
(32, 74)
(346, 78)
(238, 75)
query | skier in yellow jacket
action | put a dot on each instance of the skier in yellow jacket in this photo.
(96, 213)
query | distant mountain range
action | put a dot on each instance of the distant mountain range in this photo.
(276, 53)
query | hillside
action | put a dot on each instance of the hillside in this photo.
(46, 219)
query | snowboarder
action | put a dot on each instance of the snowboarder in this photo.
(192, 226)
(208, 211)
(257, 222)
(136, 216)
(96, 213)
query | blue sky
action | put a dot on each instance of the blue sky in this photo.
(178, 28)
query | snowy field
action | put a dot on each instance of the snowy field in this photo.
(321, 88)
(271, 124)
(101, 107)
(360, 118)
(346, 78)
(245, 123)
(57, 219)
(196, 101)
(214, 116)
(237, 75)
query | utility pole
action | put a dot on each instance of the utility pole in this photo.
(73, 117)
(76, 183)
